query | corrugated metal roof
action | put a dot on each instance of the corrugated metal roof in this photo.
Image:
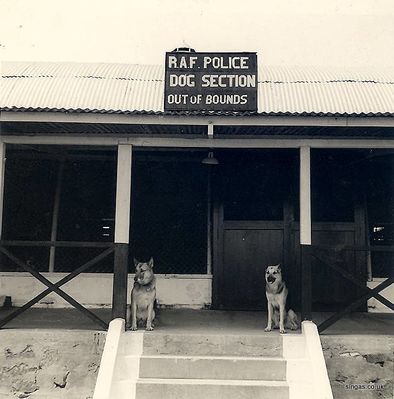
(123, 88)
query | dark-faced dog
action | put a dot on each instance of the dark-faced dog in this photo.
(276, 292)
(143, 296)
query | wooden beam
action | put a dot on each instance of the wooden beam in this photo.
(123, 194)
(257, 120)
(305, 196)
(175, 142)
(2, 174)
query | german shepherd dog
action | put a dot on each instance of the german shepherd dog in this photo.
(143, 296)
(276, 292)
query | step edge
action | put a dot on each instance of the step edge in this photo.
(204, 357)
(190, 381)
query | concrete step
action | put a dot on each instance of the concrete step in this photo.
(122, 389)
(264, 345)
(210, 389)
(211, 367)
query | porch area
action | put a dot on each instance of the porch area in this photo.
(201, 321)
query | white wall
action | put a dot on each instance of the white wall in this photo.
(95, 289)
(374, 306)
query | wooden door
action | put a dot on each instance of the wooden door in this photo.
(248, 248)
(330, 290)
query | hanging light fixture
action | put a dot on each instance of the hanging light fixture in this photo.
(210, 159)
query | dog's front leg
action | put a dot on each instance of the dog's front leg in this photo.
(270, 313)
(134, 315)
(128, 316)
(149, 318)
(282, 312)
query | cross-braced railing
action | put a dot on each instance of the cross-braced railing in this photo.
(55, 287)
(313, 252)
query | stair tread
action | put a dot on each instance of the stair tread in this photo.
(217, 357)
(192, 381)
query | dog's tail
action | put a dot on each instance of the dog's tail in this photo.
(292, 320)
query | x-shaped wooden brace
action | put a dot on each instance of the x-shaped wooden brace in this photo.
(55, 287)
(369, 293)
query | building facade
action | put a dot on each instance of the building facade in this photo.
(94, 168)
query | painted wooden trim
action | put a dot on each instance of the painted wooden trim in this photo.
(123, 194)
(175, 142)
(74, 117)
(2, 174)
(305, 196)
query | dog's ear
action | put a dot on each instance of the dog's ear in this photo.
(135, 262)
(279, 267)
(150, 263)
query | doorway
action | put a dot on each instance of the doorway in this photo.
(252, 223)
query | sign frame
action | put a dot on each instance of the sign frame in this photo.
(211, 81)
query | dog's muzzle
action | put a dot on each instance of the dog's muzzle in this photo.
(271, 278)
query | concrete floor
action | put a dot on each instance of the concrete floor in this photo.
(185, 320)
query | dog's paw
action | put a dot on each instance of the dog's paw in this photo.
(282, 331)
(134, 328)
(150, 328)
(267, 329)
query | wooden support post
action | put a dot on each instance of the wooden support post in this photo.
(122, 227)
(217, 238)
(306, 282)
(306, 231)
(119, 296)
(288, 220)
(2, 173)
(55, 214)
(360, 239)
(305, 196)
(209, 222)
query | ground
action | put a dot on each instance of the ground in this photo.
(48, 353)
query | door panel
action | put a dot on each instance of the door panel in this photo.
(247, 252)
(330, 291)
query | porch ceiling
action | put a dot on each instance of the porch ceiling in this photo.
(152, 130)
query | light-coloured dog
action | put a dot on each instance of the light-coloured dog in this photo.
(143, 295)
(276, 293)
